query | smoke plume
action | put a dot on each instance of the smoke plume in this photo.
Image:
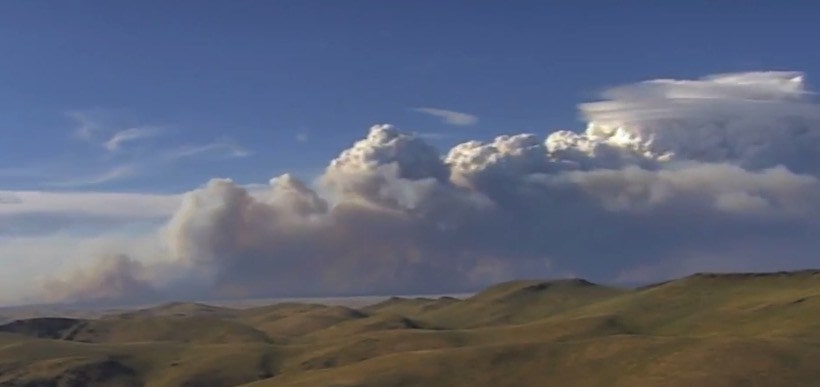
(669, 177)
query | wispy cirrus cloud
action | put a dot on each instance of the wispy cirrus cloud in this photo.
(115, 173)
(114, 131)
(91, 124)
(219, 149)
(87, 123)
(95, 125)
(128, 135)
(449, 116)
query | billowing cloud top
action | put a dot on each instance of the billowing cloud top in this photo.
(756, 120)
(384, 145)
(669, 177)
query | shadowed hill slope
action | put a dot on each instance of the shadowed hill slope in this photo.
(43, 327)
(705, 329)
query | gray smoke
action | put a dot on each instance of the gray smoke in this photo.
(669, 177)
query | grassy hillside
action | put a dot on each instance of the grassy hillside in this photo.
(706, 329)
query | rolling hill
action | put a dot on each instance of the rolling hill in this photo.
(760, 329)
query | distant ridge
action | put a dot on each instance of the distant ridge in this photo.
(180, 309)
(804, 272)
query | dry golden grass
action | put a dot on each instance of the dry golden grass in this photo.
(715, 330)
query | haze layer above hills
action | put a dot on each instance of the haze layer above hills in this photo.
(706, 329)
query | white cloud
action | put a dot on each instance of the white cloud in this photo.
(449, 116)
(757, 120)
(113, 131)
(667, 171)
(385, 144)
(221, 149)
(93, 124)
(128, 135)
(88, 204)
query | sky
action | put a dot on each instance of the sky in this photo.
(116, 117)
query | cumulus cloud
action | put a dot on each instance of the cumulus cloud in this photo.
(386, 156)
(756, 120)
(448, 116)
(670, 176)
(713, 188)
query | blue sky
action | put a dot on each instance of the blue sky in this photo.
(693, 144)
(257, 75)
